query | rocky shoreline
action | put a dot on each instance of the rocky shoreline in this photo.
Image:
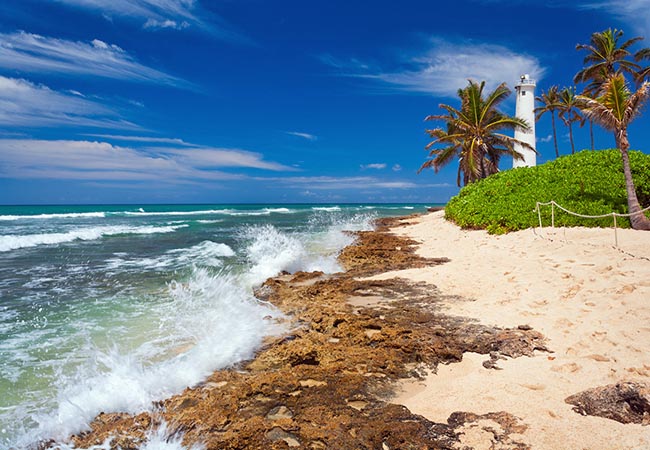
(327, 383)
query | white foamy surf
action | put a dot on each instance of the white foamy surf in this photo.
(207, 323)
(13, 242)
(106, 329)
(88, 215)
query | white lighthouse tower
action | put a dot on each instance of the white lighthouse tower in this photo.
(525, 109)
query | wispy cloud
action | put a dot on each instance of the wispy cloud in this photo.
(206, 157)
(377, 166)
(28, 52)
(160, 14)
(309, 137)
(396, 168)
(101, 161)
(444, 67)
(25, 104)
(344, 183)
(545, 139)
(150, 139)
(633, 12)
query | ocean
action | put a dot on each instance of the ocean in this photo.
(108, 308)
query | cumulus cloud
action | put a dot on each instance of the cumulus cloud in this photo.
(23, 103)
(101, 161)
(545, 139)
(377, 166)
(444, 67)
(309, 137)
(29, 52)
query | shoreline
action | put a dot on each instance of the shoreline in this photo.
(366, 341)
(325, 383)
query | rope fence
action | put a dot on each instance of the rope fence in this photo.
(553, 205)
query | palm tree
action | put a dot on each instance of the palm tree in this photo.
(644, 72)
(614, 110)
(569, 112)
(606, 56)
(550, 101)
(473, 133)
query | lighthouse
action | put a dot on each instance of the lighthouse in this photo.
(525, 109)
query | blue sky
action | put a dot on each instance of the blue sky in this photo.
(211, 101)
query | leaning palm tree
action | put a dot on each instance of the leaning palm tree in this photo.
(550, 101)
(606, 55)
(614, 109)
(569, 112)
(473, 134)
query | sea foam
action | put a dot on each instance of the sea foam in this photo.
(87, 215)
(14, 241)
(209, 322)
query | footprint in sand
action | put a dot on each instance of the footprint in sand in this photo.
(640, 371)
(538, 304)
(598, 358)
(566, 368)
(571, 292)
(627, 289)
(606, 269)
(561, 323)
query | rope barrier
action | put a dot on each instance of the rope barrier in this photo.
(613, 215)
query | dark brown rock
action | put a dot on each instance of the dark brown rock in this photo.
(323, 385)
(625, 402)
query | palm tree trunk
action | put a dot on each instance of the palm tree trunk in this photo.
(573, 149)
(591, 133)
(557, 152)
(639, 220)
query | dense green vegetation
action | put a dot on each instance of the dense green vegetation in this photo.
(589, 182)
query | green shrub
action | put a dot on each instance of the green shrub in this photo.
(589, 182)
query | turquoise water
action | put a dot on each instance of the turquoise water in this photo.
(108, 308)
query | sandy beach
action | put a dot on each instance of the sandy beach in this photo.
(588, 298)
(435, 337)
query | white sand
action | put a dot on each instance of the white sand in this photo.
(592, 302)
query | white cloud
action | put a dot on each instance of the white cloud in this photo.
(309, 137)
(343, 183)
(220, 157)
(23, 103)
(396, 168)
(377, 166)
(101, 161)
(153, 23)
(151, 139)
(445, 66)
(34, 53)
(143, 9)
(160, 14)
(545, 139)
(634, 12)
